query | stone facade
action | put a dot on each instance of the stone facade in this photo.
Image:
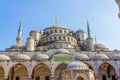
(53, 68)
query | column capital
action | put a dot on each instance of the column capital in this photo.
(29, 76)
(6, 77)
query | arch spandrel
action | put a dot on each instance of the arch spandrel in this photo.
(92, 66)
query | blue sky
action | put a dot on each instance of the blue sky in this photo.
(102, 16)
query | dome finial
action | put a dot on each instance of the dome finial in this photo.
(35, 29)
(56, 21)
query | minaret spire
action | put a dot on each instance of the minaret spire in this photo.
(56, 22)
(95, 40)
(19, 37)
(88, 30)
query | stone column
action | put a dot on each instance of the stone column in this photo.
(52, 76)
(118, 77)
(96, 76)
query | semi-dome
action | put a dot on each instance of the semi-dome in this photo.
(22, 57)
(17, 45)
(81, 57)
(30, 37)
(59, 51)
(77, 66)
(41, 57)
(4, 57)
(100, 57)
(116, 56)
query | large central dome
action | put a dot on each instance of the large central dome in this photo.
(56, 25)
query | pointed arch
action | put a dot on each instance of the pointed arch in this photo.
(106, 71)
(2, 72)
(18, 70)
(59, 70)
(41, 71)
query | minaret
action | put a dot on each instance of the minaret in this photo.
(118, 2)
(95, 40)
(19, 37)
(88, 30)
(56, 22)
(89, 40)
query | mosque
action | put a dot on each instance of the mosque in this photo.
(59, 53)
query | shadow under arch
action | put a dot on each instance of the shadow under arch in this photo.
(41, 72)
(18, 72)
(2, 72)
(58, 70)
(106, 71)
(80, 78)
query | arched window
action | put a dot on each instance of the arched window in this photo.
(64, 38)
(65, 31)
(59, 38)
(60, 31)
(55, 38)
(68, 38)
(50, 38)
(71, 39)
(55, 30)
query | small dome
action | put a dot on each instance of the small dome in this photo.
(22, 57)
(78, 31)
(4, 57)
(59, 51)
(81, 57)
(77, 66)
(41, 57)
(98, 45)
(116, 56)
(34, 30)
(100, 57)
